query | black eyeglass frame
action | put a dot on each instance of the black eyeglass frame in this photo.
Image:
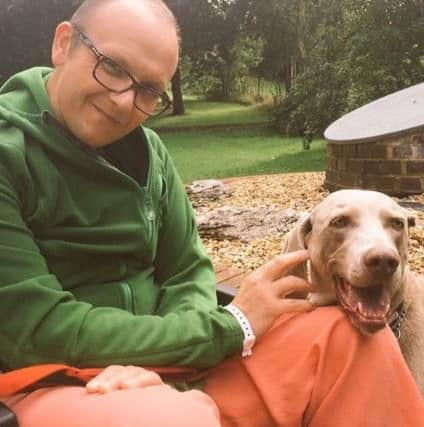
(135, 84)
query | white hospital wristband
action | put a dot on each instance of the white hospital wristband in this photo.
(249, 336)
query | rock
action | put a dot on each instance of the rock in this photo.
(207, 190)
(245, 223)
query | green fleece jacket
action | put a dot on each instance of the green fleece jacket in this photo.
(100, 259)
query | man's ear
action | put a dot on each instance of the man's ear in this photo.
(295, 241)
(62, 42)
(411, 221)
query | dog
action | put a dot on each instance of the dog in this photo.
(358, 246)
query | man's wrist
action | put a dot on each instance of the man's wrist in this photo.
(249, 336)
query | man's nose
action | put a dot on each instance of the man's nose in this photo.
(123, 100)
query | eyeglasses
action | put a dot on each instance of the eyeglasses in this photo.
(115, 78)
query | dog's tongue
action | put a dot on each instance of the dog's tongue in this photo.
(372, 303)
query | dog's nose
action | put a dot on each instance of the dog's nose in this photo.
(381, 262)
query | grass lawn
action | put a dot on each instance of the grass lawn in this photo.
(220, 139)
(204, 113)
(224, 153)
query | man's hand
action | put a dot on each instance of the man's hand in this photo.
(116, 377)
(262, 296)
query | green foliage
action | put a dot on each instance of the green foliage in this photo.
(327, 56)
(367, 50)
(199, 76)
(316, 99)
(276, 22)
(246, 55)
(259, 90)
(217, 78)
(387, 50)
(221, 49)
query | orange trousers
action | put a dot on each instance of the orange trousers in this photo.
(311, 369)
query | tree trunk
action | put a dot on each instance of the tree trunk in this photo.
(301, 34)
(227, 82)
(287, 78)
(177, 94)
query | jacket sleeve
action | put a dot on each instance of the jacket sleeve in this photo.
(42, 323)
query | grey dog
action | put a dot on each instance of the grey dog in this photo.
(358, 246)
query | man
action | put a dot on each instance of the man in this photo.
(102, 265)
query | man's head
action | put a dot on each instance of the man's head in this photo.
(141, 36)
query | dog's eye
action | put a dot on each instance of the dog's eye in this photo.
(397, 224)
(340, 221)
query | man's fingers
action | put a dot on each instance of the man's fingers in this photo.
(142, 378)
(278, 266)
(122, 377)
(142, 381)
(99, 386)
(100, 380)
(291, 285)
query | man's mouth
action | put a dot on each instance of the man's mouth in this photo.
(367, 307)
(108, 116)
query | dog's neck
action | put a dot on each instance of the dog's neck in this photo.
(399, 297)
(396, 319)
(399, 309)
(396, 305)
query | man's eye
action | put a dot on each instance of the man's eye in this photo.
(113, 69)
(340, 221)
(148, 94)
(397, 223)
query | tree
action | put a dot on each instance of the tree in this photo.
(362, 50)
(177, 96)
(216, 41)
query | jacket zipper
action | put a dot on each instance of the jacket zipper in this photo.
(149, 211)
(128, 297)
(150, 215)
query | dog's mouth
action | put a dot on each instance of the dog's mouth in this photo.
(367, 307)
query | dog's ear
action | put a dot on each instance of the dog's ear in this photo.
(295, 241)
(296, 238)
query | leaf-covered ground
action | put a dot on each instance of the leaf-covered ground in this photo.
(300, 191)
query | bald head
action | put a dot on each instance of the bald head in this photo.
(88, 9)
(137, 37)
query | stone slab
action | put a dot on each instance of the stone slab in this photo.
(395, 114)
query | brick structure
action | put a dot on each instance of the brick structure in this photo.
(393, 165)
(379, 146)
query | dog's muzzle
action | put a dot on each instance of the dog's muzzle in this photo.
(367, 307)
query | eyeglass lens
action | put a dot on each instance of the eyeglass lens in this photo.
(115, 78)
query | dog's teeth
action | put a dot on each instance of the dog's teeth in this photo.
(364, 311)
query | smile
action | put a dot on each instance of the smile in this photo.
(366, 306)
(108, 116)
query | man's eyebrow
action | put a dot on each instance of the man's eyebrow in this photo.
(156, 86)
(127, 67)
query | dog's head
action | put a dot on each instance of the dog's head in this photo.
(358, 246)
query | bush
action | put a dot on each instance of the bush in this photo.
(374, 49)
(317, 98)
(221, 78)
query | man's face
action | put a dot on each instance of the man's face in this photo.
(141, 42)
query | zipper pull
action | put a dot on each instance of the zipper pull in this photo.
(150, 211)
